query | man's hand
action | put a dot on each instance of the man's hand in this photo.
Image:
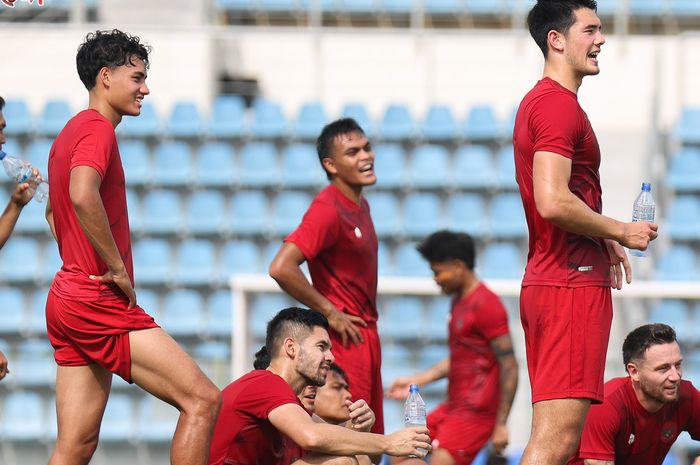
(399, 388)
(697, 460)
(121, 279)
(638, 234)
(23, 193)
(361, 416)
(499, 438)
(407, 442)
(618, 262)
(346, 326)
(3, 366)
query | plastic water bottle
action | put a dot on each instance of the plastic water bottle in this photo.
(644, 210)
(414, 409)
(21, 171)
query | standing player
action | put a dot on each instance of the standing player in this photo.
(643, 413)
(481, 368)
(565, 301)
(337, 239)
(94, 323)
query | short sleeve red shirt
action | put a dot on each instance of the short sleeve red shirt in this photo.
(338, 240)
(550, 119)
(243, 434)
(475, 321)
(620, 430)
(88, 139)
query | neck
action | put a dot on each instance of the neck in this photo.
(101, 106)
(287, 372)
(354, 193)
(468, 286)
(649, 404)
(566, 77)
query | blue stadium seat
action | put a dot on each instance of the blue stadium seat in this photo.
(118, 420)
(692, 333)
(688, 127)
(397, 124)
(683, 218)
(13, 315)
(438, 317)
(301, 167)
(259, 166)
(241, 256)
(648, 7)
(51, 264)
(358, 112)
(195, 263)
(248, 212)
(397, 6)
(172, 164)
(206, 213)
(20, 261)
(485, 7)
(385, 267)
(161, 212)
(214, 358)
(37, 153)
(607, 7)
(443, 6)
(215, 165)
(136, 160)
(439, 124)
(466, 213)
(219, 314)
(678, 263)
(386, 213)
(262, 309)
(182, 313)
(481, 124)
(152, 261)
(19, 118)
(430, 167)
(396, 355)
(133, 207)
(408, 261)
(685, 7)
(235, 5)
(35, 325)
(288, 208)
(422, 214)
(227, 118)
(54, 116)
(684, 170)
(185, 120)
(508, 216)
(401, 318)
(24, 417)
(473, 167)
(505, 169)
(156, 420)
(390, 165)
(34, 365)
(432, 354)
(673, 313)
(149, 300)
(356, 6)
(501, 261)
(268, 120)
(13, 148)
(310, 120)
(32, 219)
(147, 124)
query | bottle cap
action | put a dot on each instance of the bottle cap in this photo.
(646, 187)
(413, 388)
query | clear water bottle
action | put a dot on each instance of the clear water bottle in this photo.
(21, 171)
(644, 210)
(414, 409)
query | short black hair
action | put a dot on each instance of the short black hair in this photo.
(443, 246)
(291, 321)
(2, 103)
(109, 49)
(324, 142)
(336, 368)
(640, 339)
(262, 359)
(554, 15)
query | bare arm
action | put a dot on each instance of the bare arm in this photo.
(399, 388)
(20, 197)
(508, 381)
(597, 462)
(85, 195)
(3, 366)
(285, 269)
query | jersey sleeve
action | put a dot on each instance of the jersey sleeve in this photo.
(693, 427)
(493, 319)
(555, 125)
(94, 146)
(318, 230)
(599, 431)
(267, 397)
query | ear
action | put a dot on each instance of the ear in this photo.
(633, 371)
(329, 165)
(104, 76)
(290, 347)
(556, 40)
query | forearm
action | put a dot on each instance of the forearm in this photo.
(438, 371)
(295, 283)
(329, 439)
(598, 462)
(93, 220)
(570, 213)
(508, 385)
(8, 220)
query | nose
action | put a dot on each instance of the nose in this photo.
(144, 89)
(675, 374)
(600, 40)
(330, 357)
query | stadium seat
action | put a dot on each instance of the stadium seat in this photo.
(390, 165)
(310, 121)
(248, 212)
(439, 124)
(485, 7)
(235, 5)
(684, 170)
(13, 148)
(35, 325)
(438, 318)
(227, 118)
(685, 8)
(401, 318)
(356, 6)
(149, 300)
(205, 213)
(683, 218)
(688, 127)
(607, 7)
(152, 261)
(358, 112)
(481, 124)
(147, 124)
(430, 167)
(505, 169)
(185, 120)
(268, 120)
(33, 365)
(259, 166)
(386, 213)
(508, 217)
(156, 420)
(52, 262)
(276, 6)
(673, 313)
(37, 154)
(19, 119)
(396, 6)
(23, 418)
(262, 309)
(118, 421)
(172, 164)
(240, 256)
(288, 208)
(214, 358)
(466, 213)
(678, 263)
(182, 313)
(501, 261)
(408, 261)
(422, 214)
(396, 361)
(397, 124)
(195, 263)
(648, 7)
(218, 318)
(54, 116)
(385, 267)
(443, 6)
(20, 261)
(136, 161)
(161, 212)
(301, 167)
(432, 354)
(13, 315)
(473, 168)
(215, 165)
(33, 218)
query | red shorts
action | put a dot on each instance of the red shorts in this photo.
(566, 340)
(462, 435)
(363, 364)
(82, 333)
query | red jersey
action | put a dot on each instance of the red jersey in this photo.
(550, 119)
(88, 139)
(338, 241)
(474, 376)
(621, 430)
(243, 434)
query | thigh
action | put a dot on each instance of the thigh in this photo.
(557, 420)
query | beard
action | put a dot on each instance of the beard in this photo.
(659, 394)
(310, 371)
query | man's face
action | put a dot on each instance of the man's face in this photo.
(331, 397)
(127, 87)
(583, 42)
(448, 275)
(308, 397)
(2, 129)
(659, 373)
(315, 357)
(352, 160)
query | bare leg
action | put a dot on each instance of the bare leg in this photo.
(441, 457)
(556, 431)
(81, 396)
(322, 459)
(162, 368)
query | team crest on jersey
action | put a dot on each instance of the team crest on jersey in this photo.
(358, 233)
(631, 439)
(668, 431)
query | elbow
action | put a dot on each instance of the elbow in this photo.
(548, 209)
(276, 270)
(309, 439)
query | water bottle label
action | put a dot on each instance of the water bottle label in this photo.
(644, 213)
(24, 175)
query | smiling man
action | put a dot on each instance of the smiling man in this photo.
(337, 239)
(643, 413)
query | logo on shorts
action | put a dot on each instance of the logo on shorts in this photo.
(358, 233)
(631, 439)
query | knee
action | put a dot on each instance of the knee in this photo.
(79, 453)
(561, 447)
(206, 402)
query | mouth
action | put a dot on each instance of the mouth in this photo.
(594, 56)
(367, 168)
(139, 101)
